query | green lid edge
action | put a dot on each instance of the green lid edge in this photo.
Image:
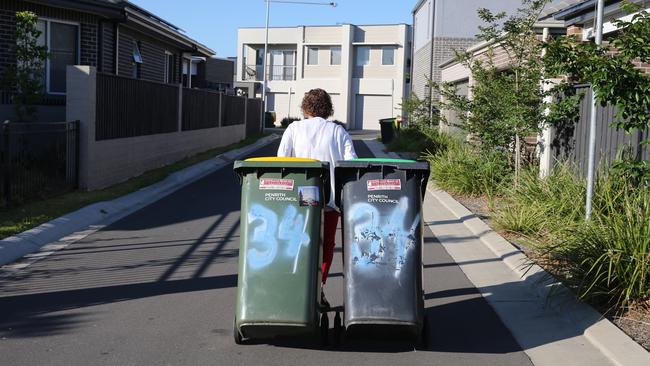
(383, 160)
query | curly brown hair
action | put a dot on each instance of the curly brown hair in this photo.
(317, 103)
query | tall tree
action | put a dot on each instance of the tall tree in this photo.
(507, 97)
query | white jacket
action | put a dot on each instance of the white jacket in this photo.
(317, 138)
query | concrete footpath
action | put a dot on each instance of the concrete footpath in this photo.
(546, 319)
(67, 229)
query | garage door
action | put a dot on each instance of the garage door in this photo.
(369, 109)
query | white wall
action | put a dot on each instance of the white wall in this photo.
(338, 80)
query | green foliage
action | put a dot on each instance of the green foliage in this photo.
(611, 68)
(286, 121)
(544, 207)
(421, 139)
(25, 78)
(418, 112)
(506, 106)
(607, 259)
(463, 169)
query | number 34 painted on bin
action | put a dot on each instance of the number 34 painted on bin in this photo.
(263, 246)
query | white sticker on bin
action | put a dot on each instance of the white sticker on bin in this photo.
(384, 185)
(276, 184)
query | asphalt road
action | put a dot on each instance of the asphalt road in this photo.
(158, 288)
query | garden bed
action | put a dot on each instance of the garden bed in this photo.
(634, 320)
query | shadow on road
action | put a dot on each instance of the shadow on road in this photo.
(30, 315)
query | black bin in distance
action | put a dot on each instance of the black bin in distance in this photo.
(388, 128)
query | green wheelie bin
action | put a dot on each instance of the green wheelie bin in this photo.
(280, 253)
(381, 206)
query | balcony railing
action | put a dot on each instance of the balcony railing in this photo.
(284, 73)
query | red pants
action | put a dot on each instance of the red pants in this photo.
(329, 234)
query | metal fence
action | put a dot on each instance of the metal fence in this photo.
(253, 117)
(38, 160)
(233, 111)
(201, 109)
(130, 107)
(571, 141)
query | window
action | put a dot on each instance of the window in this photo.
(62, 42)
(312, 56)
(335, 56)
(282, 65)
(363, 55)
(169, 67)
(388, 56)
(137, 60)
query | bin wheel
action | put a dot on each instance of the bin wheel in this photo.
(338, 328)
(235, 332)
(324, 329)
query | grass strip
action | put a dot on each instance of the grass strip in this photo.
(17, 219)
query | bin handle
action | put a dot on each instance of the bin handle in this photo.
(423, 183)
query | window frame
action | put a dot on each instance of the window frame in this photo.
(166, 76)
(317, 49)
(331, 53)
(392, 49)
(48, 34)
(137, 62)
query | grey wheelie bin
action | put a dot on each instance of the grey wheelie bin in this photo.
(381, 205)
(280, 255)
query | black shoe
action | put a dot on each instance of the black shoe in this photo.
(324, 305)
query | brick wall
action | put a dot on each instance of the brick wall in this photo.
(108, 55)
(87, 25)
(88, 44)
(443, 50)
(7, 31)
(87, 22)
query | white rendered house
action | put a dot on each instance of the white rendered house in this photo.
(363, 67)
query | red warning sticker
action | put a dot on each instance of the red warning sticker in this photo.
(276, 184)
(384, 185)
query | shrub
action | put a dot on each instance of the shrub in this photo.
(546, 207)
(463, 169)
(286, 121)
(422, 140)
(607, 259)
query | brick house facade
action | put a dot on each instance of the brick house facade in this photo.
(109, 33)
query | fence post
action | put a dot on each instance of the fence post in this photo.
(81, 104)
(6, 182)
(77, 136)
(179, 127)
(245, 116)
(220, 110)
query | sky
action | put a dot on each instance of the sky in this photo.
(214, 23)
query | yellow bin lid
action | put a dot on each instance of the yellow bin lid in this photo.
(277, 159)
